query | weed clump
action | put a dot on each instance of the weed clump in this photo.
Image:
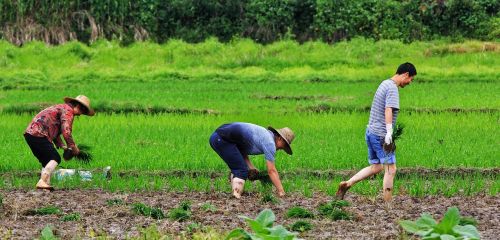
(301, 226)
(143, 209)
(298, 212)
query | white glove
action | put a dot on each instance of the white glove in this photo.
(388, 135)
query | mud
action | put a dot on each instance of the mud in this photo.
(373, 218)
(329, 174)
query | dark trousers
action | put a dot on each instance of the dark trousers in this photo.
(230, 153)
(43, 150)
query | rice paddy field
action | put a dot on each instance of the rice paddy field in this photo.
(157, 105)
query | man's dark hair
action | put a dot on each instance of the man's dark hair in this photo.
(407, 68)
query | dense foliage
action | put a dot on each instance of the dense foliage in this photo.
(262, 20)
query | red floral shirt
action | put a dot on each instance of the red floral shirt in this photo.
(53, 121)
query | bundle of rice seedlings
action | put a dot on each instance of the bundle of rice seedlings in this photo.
(396, 134)
(85, 156)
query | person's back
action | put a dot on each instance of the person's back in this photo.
(251, 139)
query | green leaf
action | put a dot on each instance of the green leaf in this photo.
(409, 226)
(468, 231)
(447, 237)
(433, 236)
(280, 231)
(256, 226)
(47, 233)
(451, 219)
(266, 218)
(238, 234)
(426, 221)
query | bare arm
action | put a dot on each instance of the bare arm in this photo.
(388, 115)
(59, 142)
(249, 164)
(275, 178)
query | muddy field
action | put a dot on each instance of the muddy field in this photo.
(373, 218)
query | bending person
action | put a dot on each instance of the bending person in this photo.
(233, 142)
(45, 130)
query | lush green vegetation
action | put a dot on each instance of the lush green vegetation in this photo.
(262, 20)
(173, 96)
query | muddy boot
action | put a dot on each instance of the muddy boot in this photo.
(388, 194)
(44, 182)
(343, 187)
(237, 184)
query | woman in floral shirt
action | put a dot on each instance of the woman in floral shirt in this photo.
(45, 130)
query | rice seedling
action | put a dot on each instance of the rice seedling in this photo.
(299, 212)
(179, 214)
(396, 134)
(84, 156)
(301, 226)
(334, 211)
(48, 210)
(71, 217)
(207, 207)
(185, 205)
(114, 202)
(268, 197)
(145, 210)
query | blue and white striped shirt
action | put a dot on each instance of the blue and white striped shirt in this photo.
(387, 95)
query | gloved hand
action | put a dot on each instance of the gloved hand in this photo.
(67, 154)
(388, 135)
(253, 174)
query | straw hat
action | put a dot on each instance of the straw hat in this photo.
(287, 134)
(84, 100)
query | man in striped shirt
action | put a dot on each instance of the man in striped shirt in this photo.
(383, 114)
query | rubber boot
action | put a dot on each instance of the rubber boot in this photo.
(44, 182)
(237, 185)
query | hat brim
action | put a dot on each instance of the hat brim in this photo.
(287, 149)
(90, 111)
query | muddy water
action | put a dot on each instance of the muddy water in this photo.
(373, 218)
